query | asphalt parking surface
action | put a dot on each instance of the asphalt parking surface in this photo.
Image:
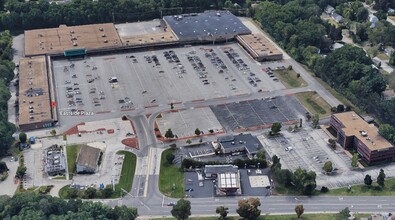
(255, 113)
(158, 77)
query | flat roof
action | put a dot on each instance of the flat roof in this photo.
(34, 99)
(220, 169)
(246, 141)
(259, 45)
(88, 157)
(146, 32)
(56, 40)
(228, 180)
(354, 125)
(206, 26)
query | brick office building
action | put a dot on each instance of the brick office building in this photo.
(355, 133)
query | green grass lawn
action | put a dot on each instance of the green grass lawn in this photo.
(363, 190)
(314, 103)
(383, 56)
(128, 170)
(390, 79)
(289, 78)
(170, 175)
(72, 152)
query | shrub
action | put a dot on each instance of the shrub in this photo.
(324, 189)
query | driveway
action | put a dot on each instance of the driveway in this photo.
(8, 186)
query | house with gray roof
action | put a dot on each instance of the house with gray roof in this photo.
(87, 159)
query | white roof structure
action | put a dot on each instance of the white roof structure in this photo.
(228, 180)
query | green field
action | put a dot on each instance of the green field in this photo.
(289, 78)
(72, 152)
(390, 80)
(171, 178)
(383, 56)
(314, 103)
(128, 170)
(363, 190)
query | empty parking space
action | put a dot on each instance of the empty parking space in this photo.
(183, 123)
(258, 112)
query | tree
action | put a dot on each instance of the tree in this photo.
(315, 120)
(171, 106)
(53, 132)
(188, 141)
(261, 154)
(276, 165)
(222, 211)
(276, 128)
(368, 180)
(387, 131)
(248, 208)
(332, 143)
(89, 193)
(3, 167)
(299, 209)
(181, 210)
(169, 133)
(328, 167)
(197, 131)
(392, 59)
(20, 172)
(284, 177)
(381, 178)
(354, 160)
(340, 108)
(343, 214)
(22, 137)
(107, 192)
(169, 158)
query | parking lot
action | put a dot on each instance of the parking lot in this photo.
(307, 149)
(259, 112)
(136, 80)
(183, 123)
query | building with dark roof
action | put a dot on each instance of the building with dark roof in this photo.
(206, 26)
(240, 143)
(87, 159)
(353, 132)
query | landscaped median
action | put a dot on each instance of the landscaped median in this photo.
(314, 103)
(290, 78)
(125, 183)
(171, 177)
(72, 152)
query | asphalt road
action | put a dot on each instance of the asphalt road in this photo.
(155, 205)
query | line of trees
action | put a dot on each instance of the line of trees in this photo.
(297, 27)
(6, 75)
(38, 206)
(248, 208)
(300, 181)
(22, 15)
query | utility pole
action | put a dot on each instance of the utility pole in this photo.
(113, 17)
